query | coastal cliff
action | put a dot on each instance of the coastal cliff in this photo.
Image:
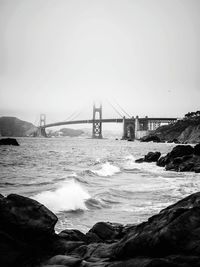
(186, 130)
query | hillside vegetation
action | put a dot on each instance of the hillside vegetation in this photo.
(186, 130)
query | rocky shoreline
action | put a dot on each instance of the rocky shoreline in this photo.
(182, 158)
(169, 238)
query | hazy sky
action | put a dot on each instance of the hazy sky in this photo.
(57, 56)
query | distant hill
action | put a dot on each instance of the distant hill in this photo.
(186, 130)
(71, 132)
(12, 126)
(64, 132)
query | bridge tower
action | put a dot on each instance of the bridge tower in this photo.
(97, 123)
(41, 129)
(42, 120)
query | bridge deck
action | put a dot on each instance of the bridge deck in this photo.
(119, 120)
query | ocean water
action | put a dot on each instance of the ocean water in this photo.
(85, 181)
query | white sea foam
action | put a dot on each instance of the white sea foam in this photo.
(107, 169)
(145, 166)
(69, 196)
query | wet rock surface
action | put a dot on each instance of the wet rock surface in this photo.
(8, 142)
(150, 157)
(182, 158)
(169, 238)
(151, 138)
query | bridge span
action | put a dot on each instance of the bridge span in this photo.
(133, 128)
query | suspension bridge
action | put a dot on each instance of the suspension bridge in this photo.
(133, 127)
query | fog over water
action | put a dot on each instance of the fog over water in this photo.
(56, 57)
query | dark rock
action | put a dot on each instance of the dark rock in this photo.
(145, 262)
(11, 250)
(61, 246)
(140, 160)
(180, 151)
(170, 238)
(184, 164)
(93, 238)
(73, 235)
(162, 161)
(64, 260)
(197, 150)
(150, 138)
(174, 231)
(26, 218)
(152, 156)
(8, 142)
(197, 169)
(107, 231)
(181, 159)
(173, 141)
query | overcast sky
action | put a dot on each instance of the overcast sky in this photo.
(57, 56)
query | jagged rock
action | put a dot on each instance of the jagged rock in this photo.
(150, 138)
(162, 161)
(182, 158)
(150, 157)
(8, 142)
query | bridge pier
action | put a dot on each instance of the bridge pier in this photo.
(128, 129)
(41, 132)
(97, 124)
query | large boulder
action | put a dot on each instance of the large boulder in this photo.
(180, 151)
(174, 231)
(106, 231)
(8, 142)
(25, 218)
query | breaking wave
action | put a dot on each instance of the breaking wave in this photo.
(107, 169)
(69, 197)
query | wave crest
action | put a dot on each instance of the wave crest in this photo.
(69, 197)
(107, 169)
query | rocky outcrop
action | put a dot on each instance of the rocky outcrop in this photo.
(170, 238)
(184, 131)
(8, 142)
(182, 158)
(151, 138)
(11, 126)
(150, 157)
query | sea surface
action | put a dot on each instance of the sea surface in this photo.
(85, 181)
